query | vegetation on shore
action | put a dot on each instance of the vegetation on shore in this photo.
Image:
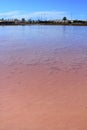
(23, 21)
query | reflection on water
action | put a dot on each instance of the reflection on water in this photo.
(43, 77)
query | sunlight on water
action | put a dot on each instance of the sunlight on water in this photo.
(43, 78)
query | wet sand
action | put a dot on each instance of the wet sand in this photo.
(43, 89)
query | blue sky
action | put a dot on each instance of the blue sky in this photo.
(46, 9)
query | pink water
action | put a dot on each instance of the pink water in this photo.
(43, 78)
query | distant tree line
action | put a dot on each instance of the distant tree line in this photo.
(23, 21)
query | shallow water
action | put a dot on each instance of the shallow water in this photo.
(43, 78)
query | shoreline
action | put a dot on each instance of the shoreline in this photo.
(51, 24)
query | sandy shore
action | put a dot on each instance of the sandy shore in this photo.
(43, 92)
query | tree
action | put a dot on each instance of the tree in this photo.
(23, 20)
(30, 21)
(64, 19)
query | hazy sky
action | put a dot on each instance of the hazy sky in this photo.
(77, 9)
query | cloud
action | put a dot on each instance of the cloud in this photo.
(34, 15)
(48, 14)
(9, 14)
